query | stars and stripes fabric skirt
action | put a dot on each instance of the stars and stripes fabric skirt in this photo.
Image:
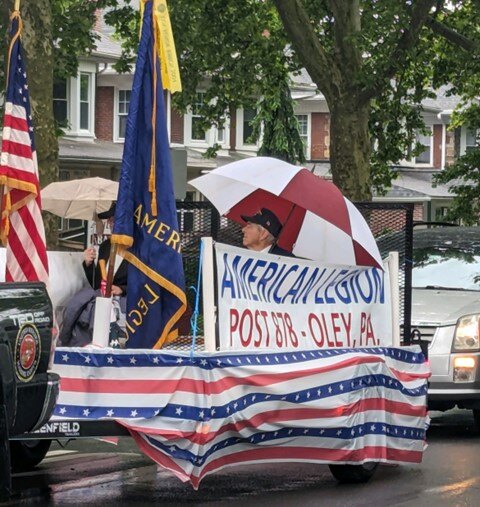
(197, 415)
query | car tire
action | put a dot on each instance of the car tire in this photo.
(27, 454)
(354, 474)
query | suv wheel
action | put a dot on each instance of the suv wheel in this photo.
(353, 474)
(27, 454)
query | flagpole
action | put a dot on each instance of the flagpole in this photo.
(111, 267)
(2, 188)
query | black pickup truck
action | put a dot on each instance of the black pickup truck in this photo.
(28, 391)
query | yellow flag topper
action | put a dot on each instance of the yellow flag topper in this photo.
(165, 45)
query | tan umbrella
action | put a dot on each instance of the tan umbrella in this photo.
(79, 199)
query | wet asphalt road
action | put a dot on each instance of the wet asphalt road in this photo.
(88, 472)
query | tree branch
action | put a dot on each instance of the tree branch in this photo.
(408, 39)
(452, 35)
(306, 44)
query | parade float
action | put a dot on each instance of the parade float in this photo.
(299, 359)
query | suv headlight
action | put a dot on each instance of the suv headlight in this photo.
(467, 333)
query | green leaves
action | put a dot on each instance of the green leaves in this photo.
(463, 179)
(280, 136)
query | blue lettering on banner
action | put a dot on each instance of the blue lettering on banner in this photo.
(272, 282)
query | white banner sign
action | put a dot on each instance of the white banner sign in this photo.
(271, 302)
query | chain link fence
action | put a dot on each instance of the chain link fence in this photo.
(391, 224)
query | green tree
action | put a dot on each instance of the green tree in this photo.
(461, 69)
(277, 125)
(373, 61)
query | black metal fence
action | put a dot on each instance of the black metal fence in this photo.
(391, 224)
(392, 227)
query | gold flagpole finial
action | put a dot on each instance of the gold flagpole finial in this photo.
(17, 5)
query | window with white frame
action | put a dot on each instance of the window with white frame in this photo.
(60, 101)
(122, 112)
(471, 139)
(73, 102)
(247, 130)
(425, 141)
(302, 120)
(244, 130)
(199, 136)
(198, 132)
(85, 101)
(220, 135)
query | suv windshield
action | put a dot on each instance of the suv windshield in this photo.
(443, 267)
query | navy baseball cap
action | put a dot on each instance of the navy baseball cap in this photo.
(109, 213)
(267, 219)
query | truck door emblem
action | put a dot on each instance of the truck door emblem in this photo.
(27, 352)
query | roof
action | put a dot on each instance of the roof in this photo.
(421, 181)
(443, 101)
(110, 152)
(410, 184)
(98, 151)
(107, 47)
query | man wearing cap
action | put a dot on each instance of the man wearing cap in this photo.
(93, 272)
(261, 232)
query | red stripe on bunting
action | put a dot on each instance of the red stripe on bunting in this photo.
(159, 457)
(132, 386)
(309, 454)
(277, 454)
(292, 414)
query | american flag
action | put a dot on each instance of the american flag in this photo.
(197, 415)
(23, 226)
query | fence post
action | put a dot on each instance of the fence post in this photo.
(407, 293)
(208, 295)
(215, 226)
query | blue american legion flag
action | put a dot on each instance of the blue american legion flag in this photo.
(195, 416)
(145, 218)
(22, 228)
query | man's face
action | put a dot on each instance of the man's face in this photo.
(253, 236)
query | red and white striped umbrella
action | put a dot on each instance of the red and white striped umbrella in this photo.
(319, 223)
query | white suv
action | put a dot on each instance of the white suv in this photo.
(446, 312)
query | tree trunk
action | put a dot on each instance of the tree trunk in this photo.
(350, 149)
(38, 46)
